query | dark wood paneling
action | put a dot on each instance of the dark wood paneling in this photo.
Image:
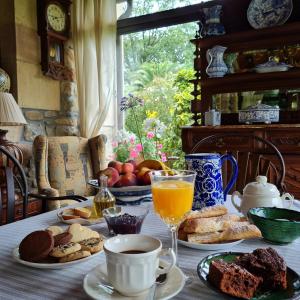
(8, 58)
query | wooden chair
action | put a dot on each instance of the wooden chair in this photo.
(266, 159)
(13, 187)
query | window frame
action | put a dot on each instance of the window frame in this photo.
(156, 20)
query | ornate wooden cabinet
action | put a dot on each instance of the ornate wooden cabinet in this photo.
(282, 41)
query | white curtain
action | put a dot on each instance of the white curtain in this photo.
(94, 37)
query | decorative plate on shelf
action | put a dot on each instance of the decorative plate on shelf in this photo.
(268, 13)
(293, 279)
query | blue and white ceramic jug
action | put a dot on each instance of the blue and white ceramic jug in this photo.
(216, 65)
(208, 184)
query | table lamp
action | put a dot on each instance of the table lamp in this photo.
(10, 115)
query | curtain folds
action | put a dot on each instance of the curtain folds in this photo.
(94, 36)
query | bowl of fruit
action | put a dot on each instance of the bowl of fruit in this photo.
(130, 182)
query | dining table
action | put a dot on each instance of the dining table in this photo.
(21, 282)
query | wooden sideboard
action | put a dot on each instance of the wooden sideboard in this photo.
(285, 137)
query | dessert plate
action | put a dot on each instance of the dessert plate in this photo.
(173, 285)
(209, 247)
(17, 258)
(293, 279)
(82, 221)
(268, 13)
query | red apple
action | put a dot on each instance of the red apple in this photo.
(128, 179)
(127, 168)
(111, 173)
(116, 165)
(133, 162)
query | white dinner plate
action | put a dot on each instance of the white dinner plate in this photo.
(16, 256)
(208, 247)
(173, 285)
(81, 221)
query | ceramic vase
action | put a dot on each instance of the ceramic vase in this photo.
(213, 25)
(216, 65)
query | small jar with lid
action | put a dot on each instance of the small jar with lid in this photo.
(104, 198)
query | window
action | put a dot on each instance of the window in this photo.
(156, 61)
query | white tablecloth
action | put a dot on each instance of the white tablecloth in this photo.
(20, 282)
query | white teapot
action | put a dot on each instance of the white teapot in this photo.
(260, 194)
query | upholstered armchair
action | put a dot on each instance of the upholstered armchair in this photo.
(63, 165)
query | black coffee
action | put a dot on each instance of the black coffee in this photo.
(133, 252)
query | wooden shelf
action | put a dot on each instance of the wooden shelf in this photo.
(254, 39)
(251, 82)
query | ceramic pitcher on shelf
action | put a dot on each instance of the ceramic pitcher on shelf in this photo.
(216, 65)
(208, 184)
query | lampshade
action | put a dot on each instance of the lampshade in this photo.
(10, 112)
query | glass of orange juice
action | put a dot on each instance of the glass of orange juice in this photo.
(173, 194)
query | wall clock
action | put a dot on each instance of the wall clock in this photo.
(53, 17)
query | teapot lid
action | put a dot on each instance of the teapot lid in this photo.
(261, 187)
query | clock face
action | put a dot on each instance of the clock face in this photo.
(56, 17)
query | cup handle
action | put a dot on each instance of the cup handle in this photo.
(289, 198)
(234, 194)
(167, 252)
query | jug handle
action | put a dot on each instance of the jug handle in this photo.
(234, 172)
(234, 194)
(289, 198)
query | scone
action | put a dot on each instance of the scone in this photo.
(64, 250)
(74, 256)
(93, 244)
(81, 233)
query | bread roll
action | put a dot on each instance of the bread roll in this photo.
(205, 225)
(207, 212)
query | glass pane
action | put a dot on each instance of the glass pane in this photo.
(286, 100)
(143, 7)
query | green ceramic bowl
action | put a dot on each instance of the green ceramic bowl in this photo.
(277, 225)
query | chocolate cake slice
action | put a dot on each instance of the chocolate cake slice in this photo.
(268, 264)
(232, 279)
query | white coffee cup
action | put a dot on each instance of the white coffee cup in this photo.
(133, 273)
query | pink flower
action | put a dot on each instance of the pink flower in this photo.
(139, 147)
(159, 146)
(150, 135)
(163, 157)
(133, 154)
(114, 144)
(132, 140)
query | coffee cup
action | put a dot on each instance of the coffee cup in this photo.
(133, 262)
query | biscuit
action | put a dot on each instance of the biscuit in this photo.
(93, 244)
(55, 230)
(36, 245)
(74, 256)
(81, 233)
(64, 250)
(62, 239)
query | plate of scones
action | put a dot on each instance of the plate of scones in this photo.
(213, 228)
(260, 275)
(55, 248)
